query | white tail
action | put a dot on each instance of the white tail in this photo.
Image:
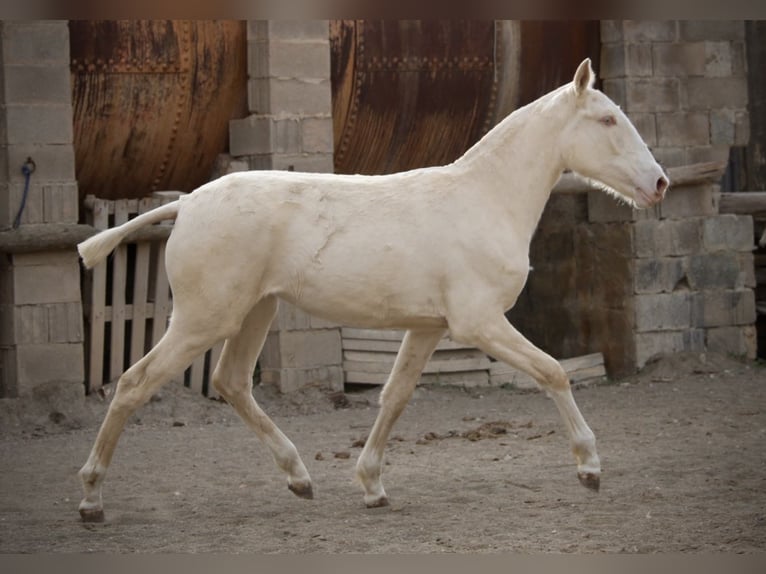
(95, 249)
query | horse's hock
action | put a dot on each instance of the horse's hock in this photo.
(606, 278)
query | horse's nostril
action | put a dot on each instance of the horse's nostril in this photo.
(662, 185)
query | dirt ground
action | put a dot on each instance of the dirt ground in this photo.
(682, 444)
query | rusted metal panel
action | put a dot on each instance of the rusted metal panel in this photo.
(414, 93)
(152, 101)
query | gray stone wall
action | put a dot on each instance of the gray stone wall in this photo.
(679, 277)
(41, 323)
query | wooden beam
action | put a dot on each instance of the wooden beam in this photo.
(744, 203)
(681, 176)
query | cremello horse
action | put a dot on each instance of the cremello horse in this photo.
(428, 250)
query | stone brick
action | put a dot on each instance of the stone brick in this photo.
(685, 59)
(718, 59)
(30, 84)
(264, 135)
(35, 42)
(290, 318)
(38, 124)
(329, 377)
(646, 126)
(60, 203)
(728, 232)
(621, 60)
(702, 154)
(299, 30)
(714, 93)
(300, 97)
(54, 162)
(689, 201)
(649, 31)
(46, 282)
(737, 341)
(312, 163)
(738, 59)
(700, 30)
(606, 208)
(723, 307)
(650, 345)
(685, 235)
(722, 127)
(317, 135)
(47, 363)
(661, 275)
(683, 129)
(741, 128)
(670, 156)
(652, 95)
(746, 271)
(713, 271)
(663, 311)
(306, 59)
(65, 323)
(615, 89)
(611, 31)
(651, 238)
(30, 324)
(316, 348)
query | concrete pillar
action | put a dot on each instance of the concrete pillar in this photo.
(41, 324)
(290, 128)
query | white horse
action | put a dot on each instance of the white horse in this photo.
(428, 250)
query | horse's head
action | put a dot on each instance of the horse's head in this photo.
(601, 144)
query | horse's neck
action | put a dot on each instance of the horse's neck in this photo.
(518, 162)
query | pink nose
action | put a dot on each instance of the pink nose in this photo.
(662, 185)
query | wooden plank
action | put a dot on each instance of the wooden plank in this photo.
(162, 304)
(119, 281)
(744, 203)
(372, 334)
(448, 366)
(465, 379)
(369, 356)
(140, 294)
(684, 175)
(100, 220)
(578, 369)
(197, 373)
(393, 346)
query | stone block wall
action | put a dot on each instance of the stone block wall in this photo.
(41, 323)
(290, 128)
(680, 276)
(683, 83)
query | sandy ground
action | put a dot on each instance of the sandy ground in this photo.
(683, 447)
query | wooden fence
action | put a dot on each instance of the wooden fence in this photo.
(127, 299)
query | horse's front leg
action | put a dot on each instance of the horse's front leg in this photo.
(413, 355)
(498, 338)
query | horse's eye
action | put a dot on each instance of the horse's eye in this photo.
(608, 120)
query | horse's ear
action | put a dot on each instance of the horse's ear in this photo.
(584, 77)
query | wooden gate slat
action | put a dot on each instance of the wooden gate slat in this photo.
(98, 305)
(119, 280)
(140, 293)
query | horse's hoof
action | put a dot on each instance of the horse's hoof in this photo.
(378, 502)
(589, 480)
(302, 491)
(92, 514)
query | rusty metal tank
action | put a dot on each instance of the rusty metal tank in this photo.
(414, 93)
(152, 102)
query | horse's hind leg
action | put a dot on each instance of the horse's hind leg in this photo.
(233, 378)
(174, 352)
(413, 355)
